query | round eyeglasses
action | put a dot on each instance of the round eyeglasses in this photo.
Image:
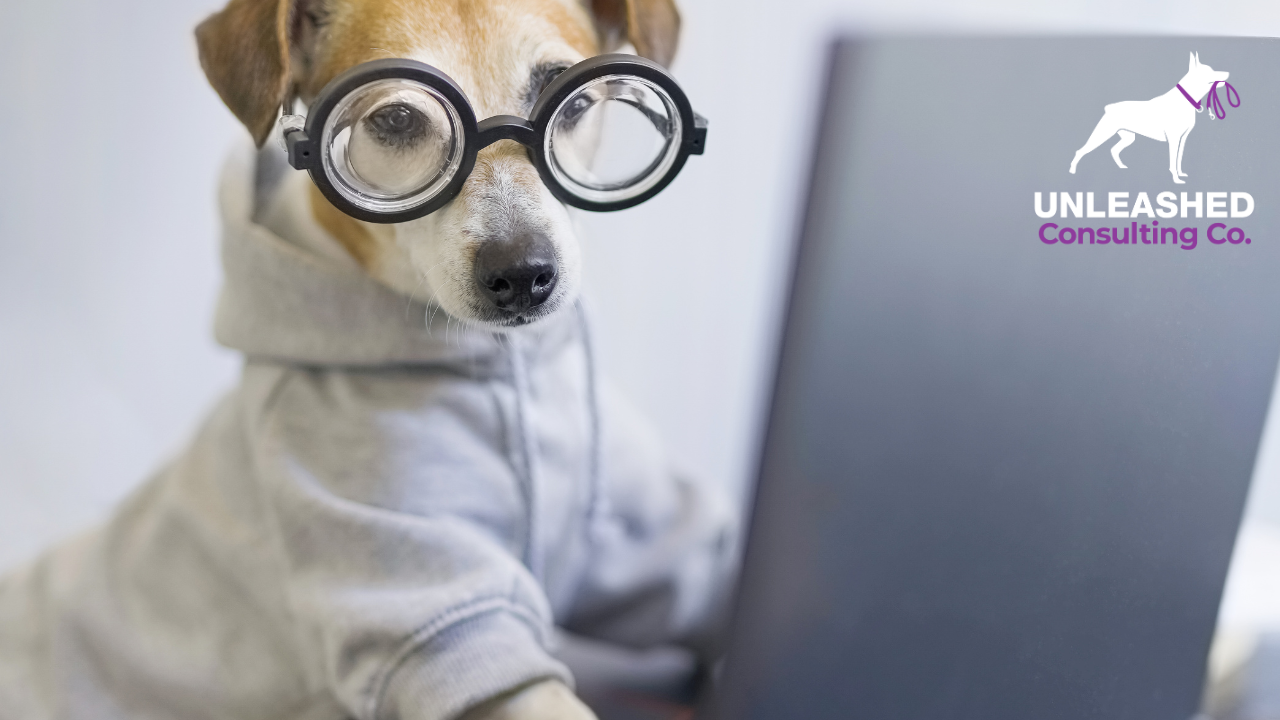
(392, 140)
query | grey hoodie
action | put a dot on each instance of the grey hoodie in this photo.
(385, 519)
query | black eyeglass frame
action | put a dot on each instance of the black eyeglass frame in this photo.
(305, 154)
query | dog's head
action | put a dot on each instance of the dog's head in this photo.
(1200, 74)
(502, 253)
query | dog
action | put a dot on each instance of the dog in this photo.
(502, 54)
(1168, 118)
(386, 518)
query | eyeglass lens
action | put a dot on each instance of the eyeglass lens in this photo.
(613, 138)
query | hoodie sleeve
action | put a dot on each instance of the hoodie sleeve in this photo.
(393, 511)
(665, 547)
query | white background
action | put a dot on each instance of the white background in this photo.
(110, 141)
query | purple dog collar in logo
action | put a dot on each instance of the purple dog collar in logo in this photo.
(1213, 101)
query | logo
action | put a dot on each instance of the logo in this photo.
(1168, 118)
(1150, 219)
(1168, 206)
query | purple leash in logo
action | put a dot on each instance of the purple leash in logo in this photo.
(1212, 99)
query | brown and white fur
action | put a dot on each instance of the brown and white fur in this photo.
(501, 52)
(256, 53)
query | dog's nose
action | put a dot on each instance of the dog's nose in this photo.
(519, 273)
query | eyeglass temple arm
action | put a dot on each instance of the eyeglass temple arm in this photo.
(699, 142)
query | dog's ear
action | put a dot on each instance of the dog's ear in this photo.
(1192, 65)
(651, 26)
(244, 50)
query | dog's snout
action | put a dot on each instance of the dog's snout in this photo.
(517, 274)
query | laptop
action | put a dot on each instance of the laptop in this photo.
(1021, 388)
(1017, 407)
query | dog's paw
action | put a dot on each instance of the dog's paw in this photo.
(546, 700)
(1179, 180)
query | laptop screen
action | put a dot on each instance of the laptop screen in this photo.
(1033, 331)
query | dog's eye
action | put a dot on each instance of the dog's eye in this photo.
(540, 79)
(577, 107)
(397, 124)
(550, 74)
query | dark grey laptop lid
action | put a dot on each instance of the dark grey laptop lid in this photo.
(1002, 478)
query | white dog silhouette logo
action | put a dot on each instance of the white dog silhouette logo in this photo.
(1168, 118)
